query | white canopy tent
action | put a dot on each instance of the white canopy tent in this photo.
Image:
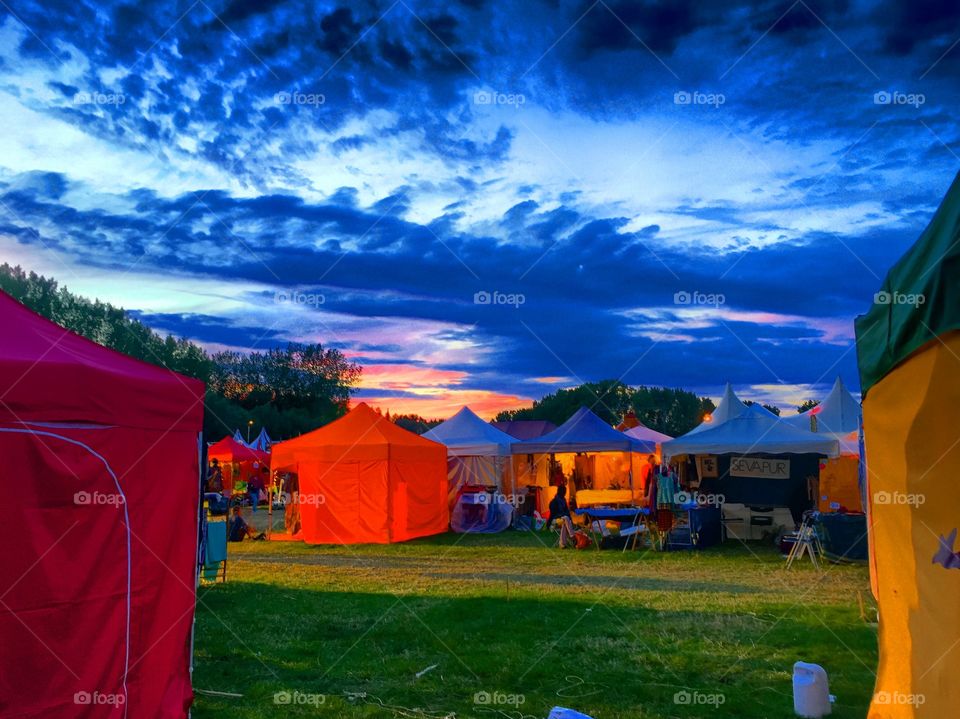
(753, 431)
(645, 434)
(730, 406)
(467, 435)
(837, 415)
(478, 454)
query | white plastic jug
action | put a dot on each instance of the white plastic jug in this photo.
(811, 693)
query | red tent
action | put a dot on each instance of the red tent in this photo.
(364, 479)
(238, 461)
(97, 584)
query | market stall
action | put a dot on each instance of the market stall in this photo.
(594, 460)
(760, 468)
(478, 471)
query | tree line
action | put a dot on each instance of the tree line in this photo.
(664, 409)
(287, 390)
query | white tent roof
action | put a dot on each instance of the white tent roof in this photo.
(754, 430)
(466, 435)
(730, 406)
(645, 434)
(837, 415)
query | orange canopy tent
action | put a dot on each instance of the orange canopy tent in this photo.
(363, 479)
(238, 461)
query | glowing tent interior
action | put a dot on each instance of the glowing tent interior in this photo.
(603, 462)
(478, 468)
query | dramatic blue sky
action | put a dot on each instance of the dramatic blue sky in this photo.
(247, 173)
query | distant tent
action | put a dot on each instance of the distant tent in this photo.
(229, 449)
(583, 432)
(644, 434)
(525, 428)
(238, 461)
(605, 461)
(363, 479)
(907, 347)
(467, 435)
(753, 431)
(838, 414)
(730, 406)
(263, 441)
(237, 437)
(100, 544)
(629, 422)
(759, 435)
(477, 456)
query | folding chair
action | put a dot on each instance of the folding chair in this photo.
(806, 541)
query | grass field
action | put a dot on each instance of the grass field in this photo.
(512, 628)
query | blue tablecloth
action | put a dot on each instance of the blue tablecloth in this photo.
(611, 514)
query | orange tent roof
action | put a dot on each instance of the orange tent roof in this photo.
(230, 450)
(362, 434)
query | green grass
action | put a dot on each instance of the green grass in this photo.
(609, 634)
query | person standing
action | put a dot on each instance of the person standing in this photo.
(560, 513)
(254, 485)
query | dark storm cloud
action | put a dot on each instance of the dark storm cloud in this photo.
(599, 278)
(599, 297)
